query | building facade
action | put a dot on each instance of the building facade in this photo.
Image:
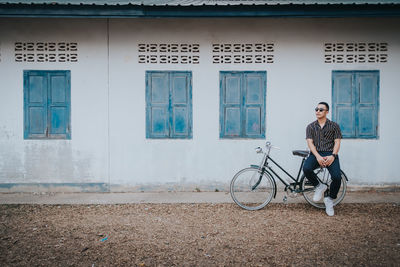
(155, 104)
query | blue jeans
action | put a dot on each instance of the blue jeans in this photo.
(334, 169)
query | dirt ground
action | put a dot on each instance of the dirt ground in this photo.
(198, 235)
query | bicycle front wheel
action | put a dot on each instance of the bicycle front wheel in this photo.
(308, 188)
(252, 189)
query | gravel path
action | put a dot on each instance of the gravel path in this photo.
(198, 235)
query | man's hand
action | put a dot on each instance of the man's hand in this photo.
(321, 161)
(329, 160)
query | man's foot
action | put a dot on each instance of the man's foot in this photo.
(329, 206)
(319, 191)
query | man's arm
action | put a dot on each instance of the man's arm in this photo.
(313, 150)
(336, 148)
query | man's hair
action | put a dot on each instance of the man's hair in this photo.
(324, 103)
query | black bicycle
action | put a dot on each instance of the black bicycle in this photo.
(254, 187)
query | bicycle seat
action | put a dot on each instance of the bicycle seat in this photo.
(301, 153)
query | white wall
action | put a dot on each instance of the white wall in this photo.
(84, 158)
(108, 116)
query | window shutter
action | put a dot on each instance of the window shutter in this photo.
(367, 104)
(180, 84)
(35, 104)
(254, 104)
(157, 105)
(230, 108)
(59, 104)
(343, 103)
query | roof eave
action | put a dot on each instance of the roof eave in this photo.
(139, 11)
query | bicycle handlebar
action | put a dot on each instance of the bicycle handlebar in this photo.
(268, 146)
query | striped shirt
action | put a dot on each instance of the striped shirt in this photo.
(323, 138)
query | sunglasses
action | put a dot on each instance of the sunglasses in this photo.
(319, 109)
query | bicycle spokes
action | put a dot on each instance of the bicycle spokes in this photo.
(252, 189)
(324, 176)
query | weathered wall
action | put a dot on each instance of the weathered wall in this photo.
(84, 159)
(109, 142)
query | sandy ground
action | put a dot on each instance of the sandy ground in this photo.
(364, 196)
(198, 235)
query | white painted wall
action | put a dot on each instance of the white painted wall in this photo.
(108, 116)
(84, 159)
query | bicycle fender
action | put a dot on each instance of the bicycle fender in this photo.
(273, 180)
(345, 176)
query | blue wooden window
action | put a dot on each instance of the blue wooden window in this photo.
(47, 104)
(355, 99)
(169, 104)
(242, 104)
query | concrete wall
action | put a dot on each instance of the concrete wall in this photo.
(84, 159)
(109, 145)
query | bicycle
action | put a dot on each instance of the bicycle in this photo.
(254, 187)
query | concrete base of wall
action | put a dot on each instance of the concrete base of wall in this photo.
(168, 187)
(53, 187)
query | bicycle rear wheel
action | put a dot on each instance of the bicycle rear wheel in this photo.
(325, 177)
(251, 189)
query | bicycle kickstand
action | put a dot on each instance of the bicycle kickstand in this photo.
(285, 201)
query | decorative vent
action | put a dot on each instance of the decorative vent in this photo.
(169, 53)
(243, 53)
(46, 52)
(356, 52)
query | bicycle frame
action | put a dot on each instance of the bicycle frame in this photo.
(296, 181)
(265, 166)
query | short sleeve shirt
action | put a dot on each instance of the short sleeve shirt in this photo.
(323, 138)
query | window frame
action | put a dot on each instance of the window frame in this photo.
(356, 105)
(47, 135)
(170, 122)
(222, 135)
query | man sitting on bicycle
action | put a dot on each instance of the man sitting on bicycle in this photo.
(323, 138)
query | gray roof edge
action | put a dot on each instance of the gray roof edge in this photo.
(199, 2)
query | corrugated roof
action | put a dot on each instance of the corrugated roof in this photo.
(200, 2)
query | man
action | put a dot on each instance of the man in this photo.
(323, 139)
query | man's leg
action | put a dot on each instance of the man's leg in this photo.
(309, 166)
(336, 177)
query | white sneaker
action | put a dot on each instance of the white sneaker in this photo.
(319, 191)
(329, 206)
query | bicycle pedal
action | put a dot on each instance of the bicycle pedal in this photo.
(285, 200)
